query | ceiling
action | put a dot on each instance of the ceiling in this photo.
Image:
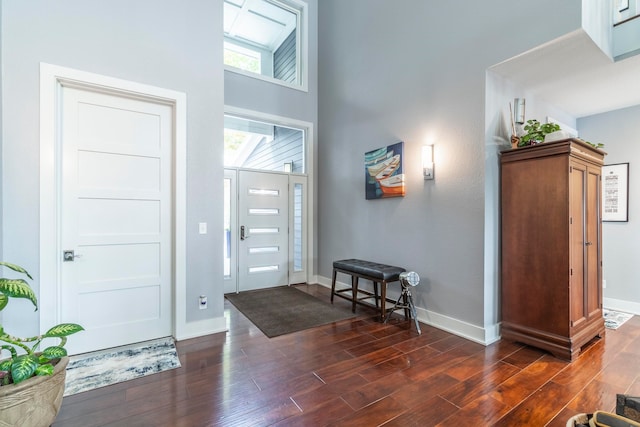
(260, 23)
(573, 74)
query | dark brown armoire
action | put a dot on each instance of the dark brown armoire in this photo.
(551, 246)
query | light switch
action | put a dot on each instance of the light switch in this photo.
(202, 228)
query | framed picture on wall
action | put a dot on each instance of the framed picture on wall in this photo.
(615, 192)
(383, 172)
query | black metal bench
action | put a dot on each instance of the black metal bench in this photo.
(377, 273)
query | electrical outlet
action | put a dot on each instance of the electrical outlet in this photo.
(202, 302)
(202, 227)
(604, 284)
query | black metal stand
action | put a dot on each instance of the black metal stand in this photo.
(407, 304)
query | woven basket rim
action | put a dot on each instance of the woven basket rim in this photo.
(60, 365)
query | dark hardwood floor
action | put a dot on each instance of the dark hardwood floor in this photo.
(360, 372)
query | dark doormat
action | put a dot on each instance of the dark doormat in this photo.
(285, 309)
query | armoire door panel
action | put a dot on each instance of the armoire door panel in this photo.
(593, 244)
(577, 177)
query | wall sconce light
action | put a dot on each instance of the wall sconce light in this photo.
(288, 167)
(518, 110)
(427, 162)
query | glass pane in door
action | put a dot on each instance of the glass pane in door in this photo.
(227, 227)
(297, 227)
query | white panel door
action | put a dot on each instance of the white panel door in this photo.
(263, 220)
(116, 200)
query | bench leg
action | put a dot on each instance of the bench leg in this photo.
(354, 293)
(375, 292)
(333, 285)
(383, 299)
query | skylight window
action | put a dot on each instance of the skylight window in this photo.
(266, 39)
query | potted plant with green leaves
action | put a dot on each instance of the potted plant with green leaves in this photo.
(31, 380)
(536, 132)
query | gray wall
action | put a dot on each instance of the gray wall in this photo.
(167, 43)
(618, 130)
(414, 71)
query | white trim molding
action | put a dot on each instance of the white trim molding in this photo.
(201, 328)
(622, 305)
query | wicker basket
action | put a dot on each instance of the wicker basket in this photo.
(34, 402)
(578, 420)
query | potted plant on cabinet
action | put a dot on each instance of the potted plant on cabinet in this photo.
(536, 132)
(31, 381)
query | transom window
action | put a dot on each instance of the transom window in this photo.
(251, 144)
(265, 39)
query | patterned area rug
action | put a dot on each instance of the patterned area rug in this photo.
(102, 368)
(614, 319)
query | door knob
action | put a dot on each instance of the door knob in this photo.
(588, 243)
(69, 255)
(242, 233)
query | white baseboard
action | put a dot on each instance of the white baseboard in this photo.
(621, 305)
(484, 336)
(201, 328)
(326, 282)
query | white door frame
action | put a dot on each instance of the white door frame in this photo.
(309, 160)
(52, 79)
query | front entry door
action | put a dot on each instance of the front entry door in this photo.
(263, 219)
(116, 218)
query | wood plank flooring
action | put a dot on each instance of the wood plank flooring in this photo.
(360, 372)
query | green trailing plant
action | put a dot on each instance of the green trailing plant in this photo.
(25, 360)
(536, 132)
(595, 145)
